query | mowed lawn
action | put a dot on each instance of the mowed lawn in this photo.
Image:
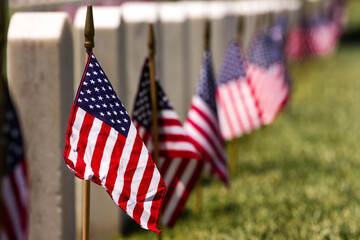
(298, 178)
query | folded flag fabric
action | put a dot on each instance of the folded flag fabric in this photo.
(14, 195)
(179, 161)
(102, 145)
(202, 123)
(267, 73)
(236, 103)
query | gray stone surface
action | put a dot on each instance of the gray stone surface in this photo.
(196, 17)
(134, 36)
(40, 72)
(105, 220)
(171, 66)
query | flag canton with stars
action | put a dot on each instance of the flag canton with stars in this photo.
(278, 31)
(12, 142)
(206, 87)
(97, 97)
(263, 51)
(143, 107)
(233, 66)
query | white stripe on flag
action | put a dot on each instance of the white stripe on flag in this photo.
(179, 191)
(228, 107)
(149, 197)
(199, 138)
(239, 105)
(224, 127)
(136, 180)
(90, 147)
(250, 102)
(195, 117)
(124, 160)
(168, 114)
(197, 101)
(171, 171)
(106, 157)
(176, 146)
(74, 138)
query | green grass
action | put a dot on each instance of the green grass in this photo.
(298, 178)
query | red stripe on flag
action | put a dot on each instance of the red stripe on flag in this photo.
(155, 208)
(114, 163)
(130, 171)
(252, 125)
(224, 109)
(171, 187)
(169, 122)
(82, 143)
(193, 180)
(143, 189)
(164, 137)
(208, 140)
(207, 120)
(98, 151)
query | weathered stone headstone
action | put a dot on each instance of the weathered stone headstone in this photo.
(105, 215)
(223, 30)
(134, 36)
(172, 55)
(196, 17)
(40, 71)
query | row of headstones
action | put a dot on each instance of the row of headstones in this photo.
(45, 53)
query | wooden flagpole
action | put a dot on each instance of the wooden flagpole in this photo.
(153, 94)
(89, 33)
(233, 145)
(198, 191)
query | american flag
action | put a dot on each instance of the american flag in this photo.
(316, 35)
(179, 161)
(237, 105)
(14, 182)
(267, 72)
(322, 35)
(278, 32)
(102, 145)
(202, 122)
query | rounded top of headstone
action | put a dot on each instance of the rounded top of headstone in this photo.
(104, 17)
(139, 11)
(218, 9)
(37, 25)
(172, 12)
(292, 5)
(195, 9)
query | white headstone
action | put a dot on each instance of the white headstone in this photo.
(40, 71)
(136, 17)
(223, 30)
(196, 17)
(104, 213)
(172, 55)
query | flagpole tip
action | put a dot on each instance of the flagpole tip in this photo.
(207, 35)
(151, 40)
(89, 30)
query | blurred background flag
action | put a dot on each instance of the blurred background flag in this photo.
(179, 161)
(102, 145)
(14, 180)
(202, 123)
(237, 105)
(267, 73)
